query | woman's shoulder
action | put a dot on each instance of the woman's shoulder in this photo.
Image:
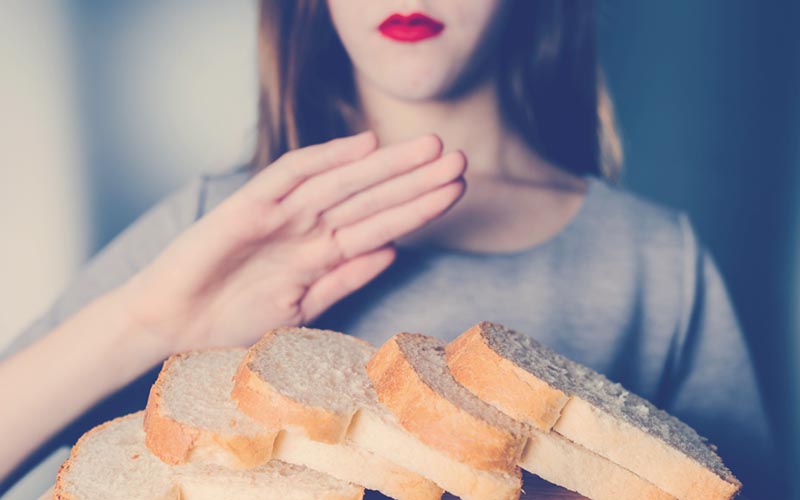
(135, 247)
(621, 213)
(635, 236)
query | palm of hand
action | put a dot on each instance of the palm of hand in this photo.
(302, 234)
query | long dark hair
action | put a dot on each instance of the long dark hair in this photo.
(551, 89)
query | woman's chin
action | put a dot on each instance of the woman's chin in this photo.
(425, 79)
(418, 89)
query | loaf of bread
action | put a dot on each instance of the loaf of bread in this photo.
(307, 413)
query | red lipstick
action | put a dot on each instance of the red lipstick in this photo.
(410, 28)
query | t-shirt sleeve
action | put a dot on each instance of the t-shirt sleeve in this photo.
(123, 257)
(715, 386)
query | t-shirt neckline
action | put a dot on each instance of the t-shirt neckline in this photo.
(593, 185)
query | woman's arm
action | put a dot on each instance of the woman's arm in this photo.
(310, 229)
(87, 357)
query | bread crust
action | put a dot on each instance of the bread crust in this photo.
(168, 439)
(58, 489)
(435, 420)
(262, 402)
(174, 442)
(502, 383)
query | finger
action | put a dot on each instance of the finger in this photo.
(383, 227)
(329, 188)
(290, 170)
(397, 190)
(344, 280)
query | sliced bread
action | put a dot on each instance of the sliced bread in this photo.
(112, 462)
(560, 461)
(315, 382)
(309, 384)
(304, 379)
(380, 432)
(410, 377)
(545, 390)
(191, 417)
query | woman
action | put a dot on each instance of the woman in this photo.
(368, 239)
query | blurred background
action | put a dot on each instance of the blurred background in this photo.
(107, 106)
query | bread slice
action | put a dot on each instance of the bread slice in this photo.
(545, 390)
(562, 462)
(112, 462)
(310, 384)
(191, 417)
(411, 379)
(314, 382)
(305, 379)
(381, 433)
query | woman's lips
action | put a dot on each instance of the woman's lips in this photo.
(410, 28)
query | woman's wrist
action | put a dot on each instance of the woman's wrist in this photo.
(130, 347)
(89, 356)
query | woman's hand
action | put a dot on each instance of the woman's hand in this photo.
(306, 231)
(303, 233)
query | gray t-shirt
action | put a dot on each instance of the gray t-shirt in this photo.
(624, 288)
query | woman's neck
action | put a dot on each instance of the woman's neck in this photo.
(472, 123)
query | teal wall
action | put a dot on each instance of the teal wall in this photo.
(708, 100)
